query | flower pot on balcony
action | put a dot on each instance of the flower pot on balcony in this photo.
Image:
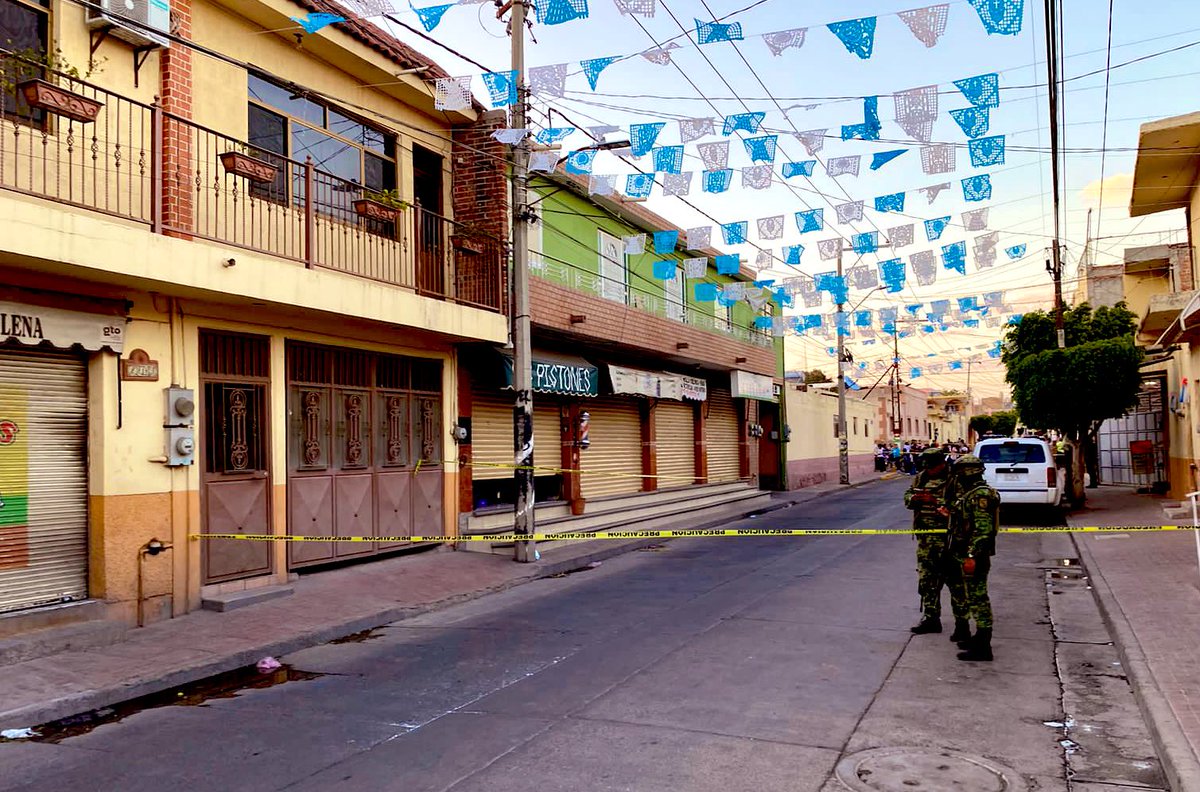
(467, 244)
(374, 210)
(49, 97)
(248, 167)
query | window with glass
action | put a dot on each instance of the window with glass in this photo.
(351, 157)
(24, 28)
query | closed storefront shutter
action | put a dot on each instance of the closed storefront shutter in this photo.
(492, 435)
(547, 436)
(43, 479)
(721, 436)
(674, 434)
(616, 448)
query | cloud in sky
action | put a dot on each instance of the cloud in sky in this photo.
(1117, 189)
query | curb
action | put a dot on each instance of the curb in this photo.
(1180, 763)
(75, 704)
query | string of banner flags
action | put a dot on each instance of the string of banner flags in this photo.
(927, 24)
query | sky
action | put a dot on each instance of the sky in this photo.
(821, 85)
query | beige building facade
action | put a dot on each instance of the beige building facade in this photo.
(233, 309)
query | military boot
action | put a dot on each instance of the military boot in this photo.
(980, 647)
(962, 632)
(929, 624)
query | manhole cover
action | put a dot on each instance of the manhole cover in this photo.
(927, 769)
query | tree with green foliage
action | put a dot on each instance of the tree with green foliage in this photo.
(815, 376)
(1073, 390)
(1002, 423)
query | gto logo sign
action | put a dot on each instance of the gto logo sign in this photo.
(8, 432)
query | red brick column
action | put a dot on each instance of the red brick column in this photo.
(698, 419)
(175, 96)
(649, 445)
(479, 200)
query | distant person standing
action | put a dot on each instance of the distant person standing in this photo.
(970, 548)
(927, 500)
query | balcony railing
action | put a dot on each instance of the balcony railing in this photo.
(642, 299)
(140, 163)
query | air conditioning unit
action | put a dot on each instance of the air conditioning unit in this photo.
(134, 21)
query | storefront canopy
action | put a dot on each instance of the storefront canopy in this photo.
(35, 325)
(566, 375)
(748, 385)
(655, 384)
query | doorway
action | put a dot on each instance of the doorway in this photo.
(769, 445)
(235, 475)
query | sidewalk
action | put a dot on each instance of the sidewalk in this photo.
(1148, 587)
(324, 606)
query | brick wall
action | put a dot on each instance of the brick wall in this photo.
(479, 180)
(479, 198)
(175, 96)
(552, 306)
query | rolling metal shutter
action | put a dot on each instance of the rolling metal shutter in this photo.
(492, 436)
(43, 479)
(721, 436)
(675, 441)
(616, 448)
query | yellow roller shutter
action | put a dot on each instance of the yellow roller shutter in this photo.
(616, 447)
(43, 479)
(721, 436)
(674, 432)
(547, 435)
(492, 435)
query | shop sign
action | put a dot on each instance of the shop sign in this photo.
(693, 388)
(635, 382)
(35, 325)
(748, 385)
(559, 374)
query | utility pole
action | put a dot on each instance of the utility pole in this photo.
(524, 551)
(843, 438)
(1055, 265)
(897, 420)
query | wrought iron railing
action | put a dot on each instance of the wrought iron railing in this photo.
(140, 163)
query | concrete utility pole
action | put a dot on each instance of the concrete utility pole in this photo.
(843, 439)
(523, 522)
(1055, 265)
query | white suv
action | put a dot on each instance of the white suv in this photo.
(1023, 471)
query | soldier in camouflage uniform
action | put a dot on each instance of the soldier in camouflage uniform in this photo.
(926, 497)
(970, 548)
(958, 602)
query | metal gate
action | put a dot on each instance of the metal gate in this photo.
(1144, 422)
(721, 436)
(235, 475)
(612, 463)
(364, 450)
(675, 443)
(43, 479)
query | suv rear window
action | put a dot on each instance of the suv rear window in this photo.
(1013, 453)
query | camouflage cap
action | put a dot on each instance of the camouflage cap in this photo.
(968, 463)
(933, 455)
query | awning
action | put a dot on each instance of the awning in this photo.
(748, 385)
(35, 325)
(562, 374)
(656, 384)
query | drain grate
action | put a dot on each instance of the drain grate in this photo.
(927, 769)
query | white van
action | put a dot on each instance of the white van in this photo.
(1023, 471)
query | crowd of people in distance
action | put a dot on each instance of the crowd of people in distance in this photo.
(902, 457)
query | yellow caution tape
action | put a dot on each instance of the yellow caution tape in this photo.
(683, 533)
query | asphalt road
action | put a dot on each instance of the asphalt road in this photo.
(737, 664)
